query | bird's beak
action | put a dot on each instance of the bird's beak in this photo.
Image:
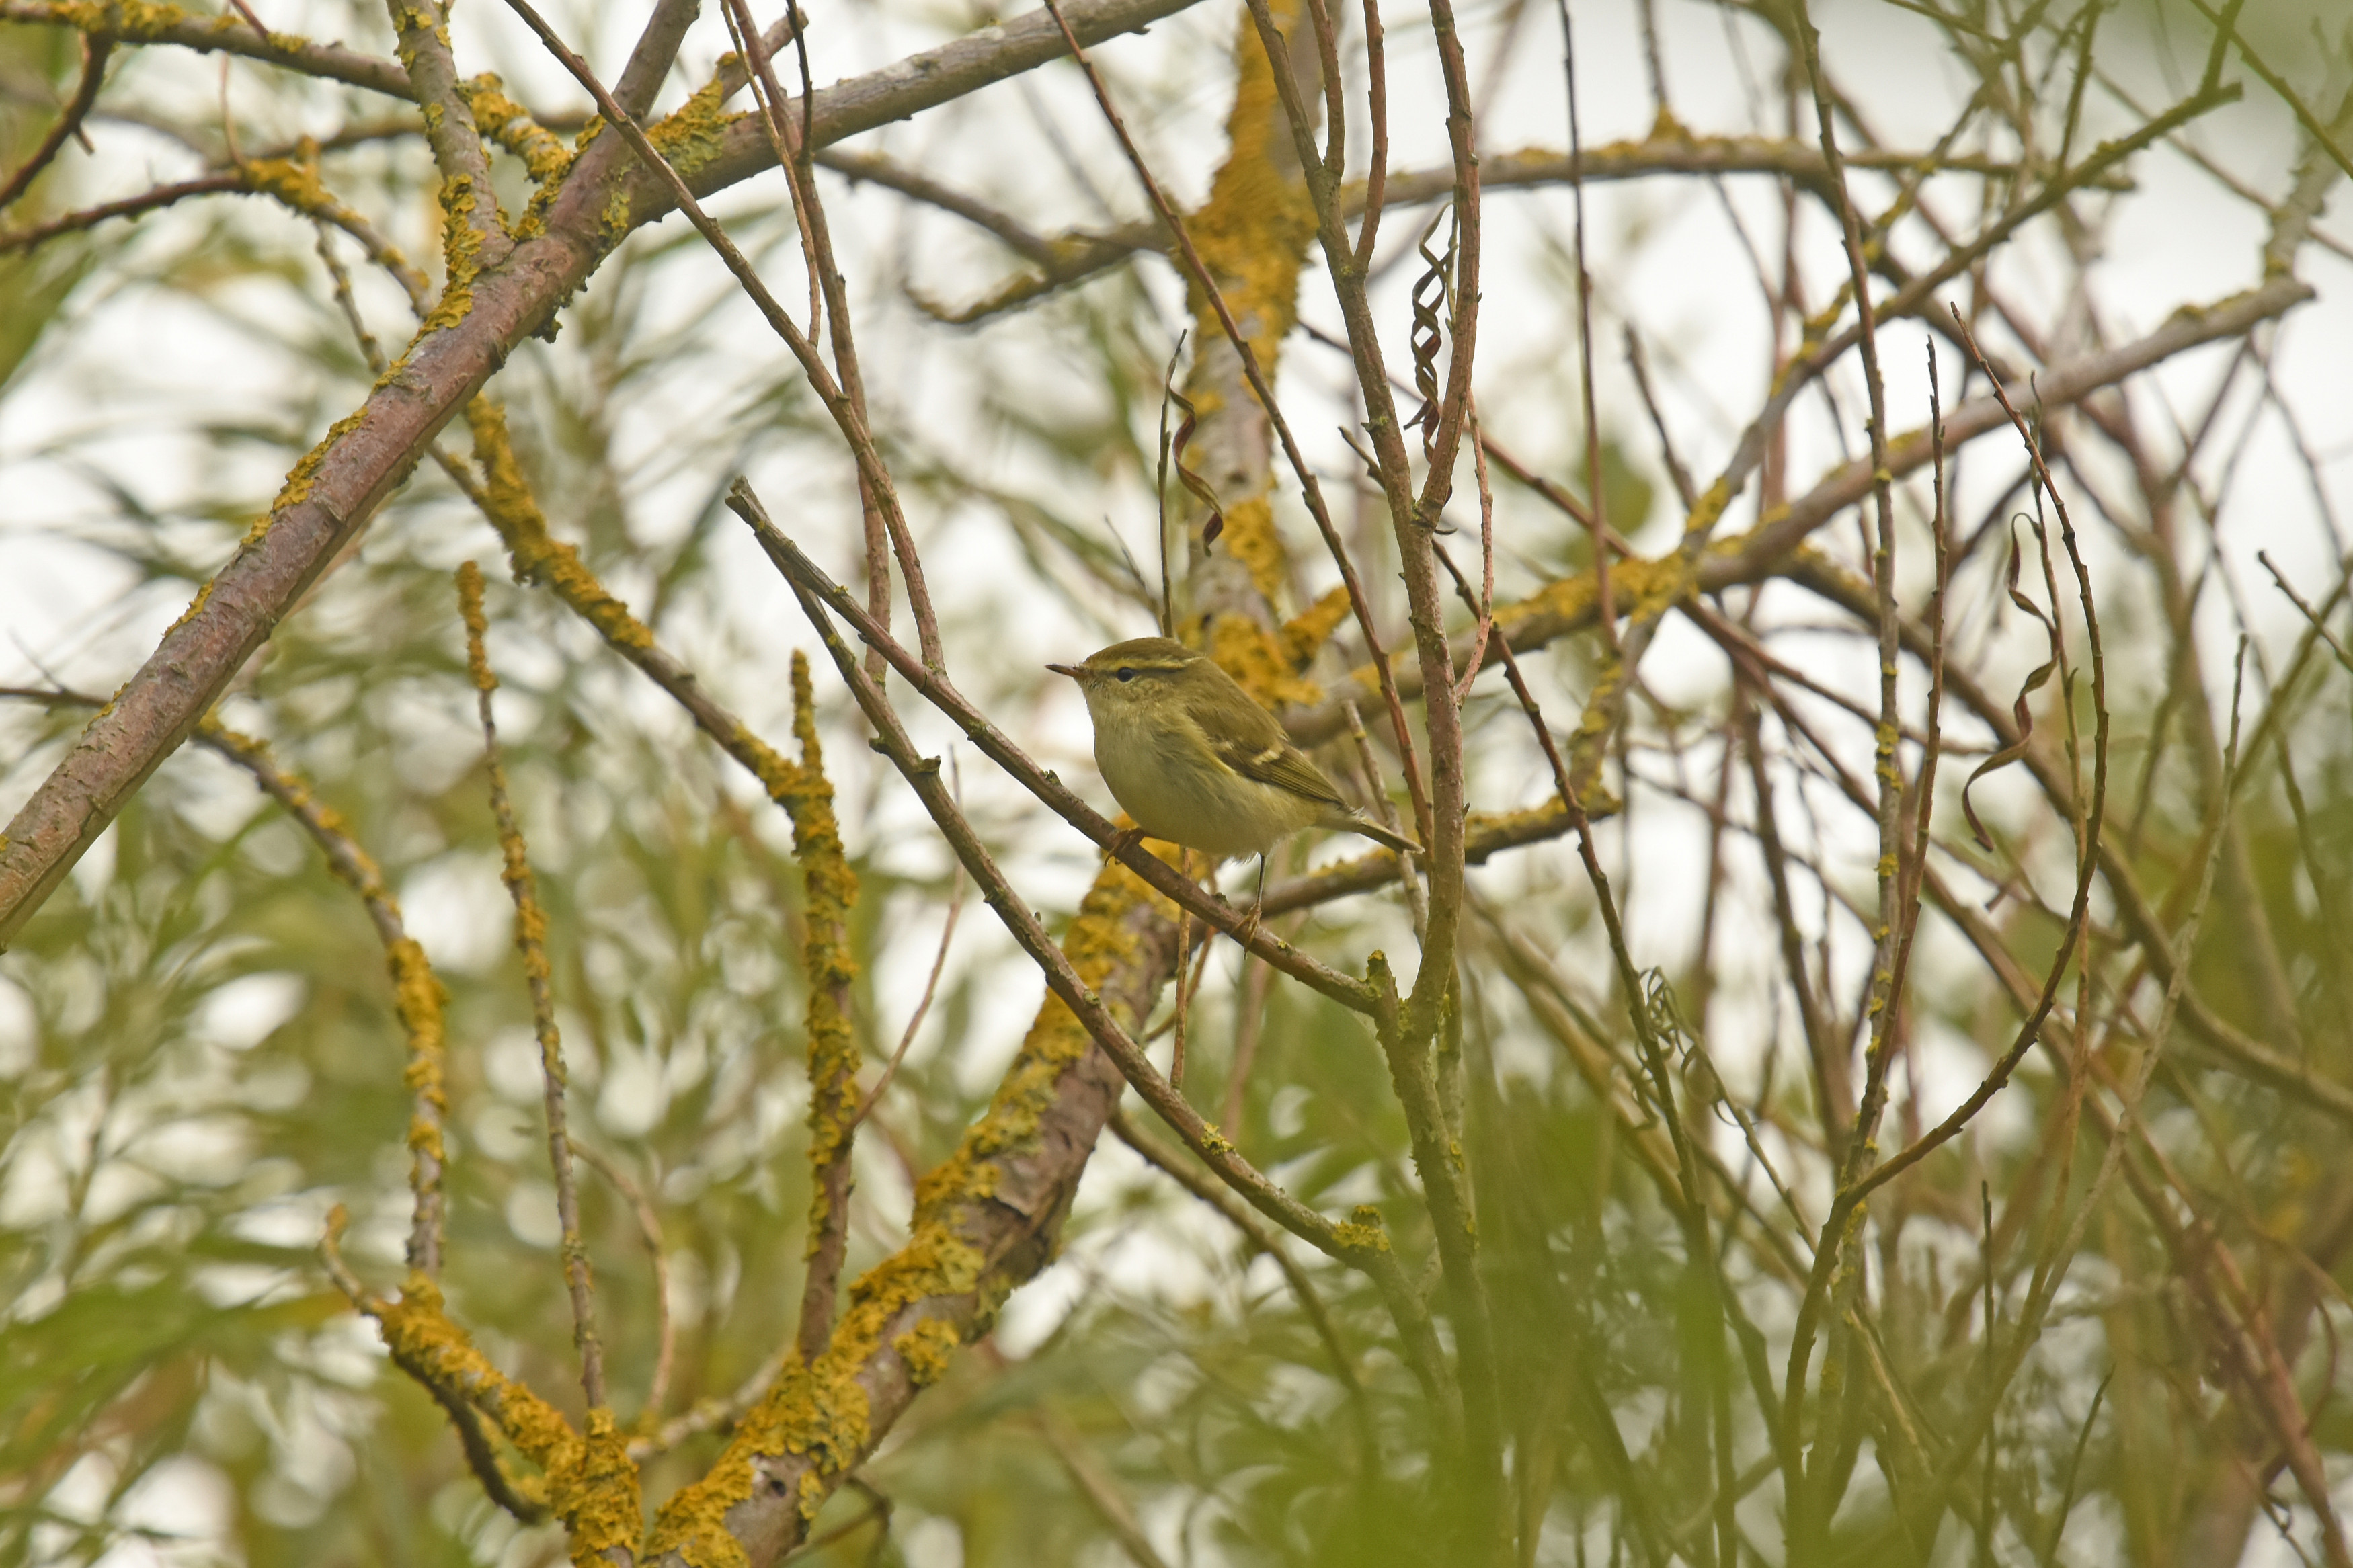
(1071, 670)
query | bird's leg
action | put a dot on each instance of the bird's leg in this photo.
(1249, 928)
(1125, 839)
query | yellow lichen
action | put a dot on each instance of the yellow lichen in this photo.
(531, 920)
(534, 556)
(1570, 600)
(296, 184)
(830, 889)
(592, 1485)
(1305, 634)
(470, 610)
(617, 212)
(421, 1336)
(598, 1496)
(1249, 653)
(512, 126)
(1249, 538)
(925, 1348)
(139, 22)
(195, 608)
(1252, 235)
(418, 999)
(689, 138)
(1362, 1231)
(297, 487)
(508, 123)
(461, 253)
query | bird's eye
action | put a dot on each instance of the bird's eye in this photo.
(1127, 675)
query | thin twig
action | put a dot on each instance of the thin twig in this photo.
(1371, 763)
(794, 151)
(1639, 363)
(1596, 491)
(1482, 608)
(711, 1415)
(2316, 619)
(923, 1005)
(873, 473)
(1812, 1489)
(531, 940)
(649, 1231)
(1184, 975)
(94, 51)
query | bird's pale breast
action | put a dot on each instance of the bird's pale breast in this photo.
(1167, 780)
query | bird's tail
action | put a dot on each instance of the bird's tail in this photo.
(1384, 836)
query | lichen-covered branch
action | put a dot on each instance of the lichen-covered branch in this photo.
(292, 182)
(588, 1482)
(474, 234)
(829, 888)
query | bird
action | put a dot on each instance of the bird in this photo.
(1198, 763)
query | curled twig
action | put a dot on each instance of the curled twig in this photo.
(2021, 708)
(1195, 485)
(1160, 493)
(1433, 289)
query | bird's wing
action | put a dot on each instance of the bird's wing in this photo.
(1258, 749)
(1279, 763)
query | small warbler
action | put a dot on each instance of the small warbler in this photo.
(1194, 759)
